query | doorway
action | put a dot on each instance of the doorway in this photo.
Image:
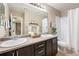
(18, 28)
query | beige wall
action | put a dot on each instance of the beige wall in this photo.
(52, 13)
(2, 9)
(64, 13)
(16, 13)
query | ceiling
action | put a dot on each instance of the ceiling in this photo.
(20, 7)
(59, 6)
(63, 6)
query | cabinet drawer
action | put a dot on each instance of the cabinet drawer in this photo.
(40, 51)
(42, 54)
(39, 45)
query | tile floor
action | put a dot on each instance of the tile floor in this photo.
(60, 53)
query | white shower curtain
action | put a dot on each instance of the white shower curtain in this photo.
(68, 29)
(74, 28)
(62, 25)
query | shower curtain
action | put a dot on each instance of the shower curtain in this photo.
(62, 25)
(73, 17)
(68, 29)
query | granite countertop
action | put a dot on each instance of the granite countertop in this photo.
(29, 41)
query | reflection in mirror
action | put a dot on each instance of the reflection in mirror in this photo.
(2, 25)
(35, 16)
(21, 15)
(44, 26)
(33, 29)
(15, 25)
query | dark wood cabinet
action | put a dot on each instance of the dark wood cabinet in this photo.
(10, 53)
(44, 48)
(39, 45)
(26, 51)
(40, 52)
(40, 49)
(54, 46)
(48, 47)
(51, 47)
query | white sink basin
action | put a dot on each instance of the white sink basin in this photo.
(13, 42)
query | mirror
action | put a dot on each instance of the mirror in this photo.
(35, 17)
(23, 17)
(33, 29)
(2, 24)
(2, 12)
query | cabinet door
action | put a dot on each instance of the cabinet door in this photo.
(26, 51)
(54, 46)
(11, 53)
(48, 47)
(51, 47)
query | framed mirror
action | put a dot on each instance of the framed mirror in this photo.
(33, 28)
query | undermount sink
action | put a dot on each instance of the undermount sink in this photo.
(13, 42)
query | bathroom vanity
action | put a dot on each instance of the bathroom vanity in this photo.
(45, 45)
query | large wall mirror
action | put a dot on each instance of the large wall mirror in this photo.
(24, 16)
